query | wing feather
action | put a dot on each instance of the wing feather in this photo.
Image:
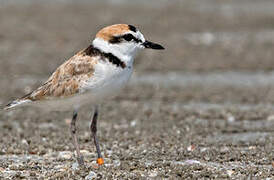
(67, 79)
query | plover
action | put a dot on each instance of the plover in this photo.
(90, 76)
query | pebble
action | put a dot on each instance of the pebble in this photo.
(91, 175)
(229, 172)
(153, 174)
(67, 121)
(270, 118)
(60, 168)
(191, 161)
(75, 166)
(86, 153)
(231, 119)
(109, 152)
(187, 162)
(24, 142)
(252, 147)
(148, 163)
(133, 123)
(65, 155)
(203, 149)
(116, 163)
(224, 149)
(191, 148)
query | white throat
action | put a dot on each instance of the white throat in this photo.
(125, 52)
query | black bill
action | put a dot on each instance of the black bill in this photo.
(152, 45)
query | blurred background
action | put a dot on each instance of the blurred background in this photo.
(208, 97)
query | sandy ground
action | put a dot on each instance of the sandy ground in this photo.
(203, 108)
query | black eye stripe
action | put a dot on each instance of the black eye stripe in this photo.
(127, 37)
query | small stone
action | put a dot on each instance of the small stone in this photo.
(94, 165)
(191, 148)
(192, 161)
(270, 118)
(229, 172)
(203, 149)
(153, 174)
(133, 123)
(47, 155)
(231, 119)
(75, 166)
(65, 155)
(207, 158)
(86, 152)
(252, 147)
(91, 175)
(109, 152)
(224, 149)
(116, 163)
(67, 121)
(148, 164)
(32, 173)
(60, 168)
(24, 142)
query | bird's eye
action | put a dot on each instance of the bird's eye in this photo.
(128, 37)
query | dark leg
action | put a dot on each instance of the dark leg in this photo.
(93, 129)
(80, 158)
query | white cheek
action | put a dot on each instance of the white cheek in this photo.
(127, 48)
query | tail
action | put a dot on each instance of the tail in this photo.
(17, 102)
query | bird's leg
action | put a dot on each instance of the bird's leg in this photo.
(93, 129)
(80, 158)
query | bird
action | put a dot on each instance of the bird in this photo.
(89, 77)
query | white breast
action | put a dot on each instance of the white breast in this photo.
(108, 79)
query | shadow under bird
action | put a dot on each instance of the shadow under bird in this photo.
(91, 75)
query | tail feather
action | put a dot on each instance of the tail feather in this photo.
(16, 102)
(19, 101)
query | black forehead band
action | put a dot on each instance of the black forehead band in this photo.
(132, 28)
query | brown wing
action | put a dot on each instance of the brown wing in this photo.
(67, 79)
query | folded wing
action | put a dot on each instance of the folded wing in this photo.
(66, 81)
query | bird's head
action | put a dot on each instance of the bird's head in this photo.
(122, 40)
